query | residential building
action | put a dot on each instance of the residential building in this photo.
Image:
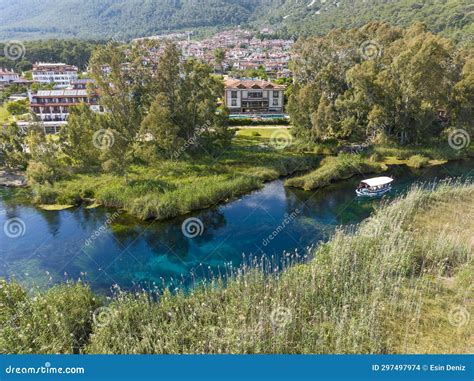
(243, 96)
(52, 107)
(59, 73)
(7, 76)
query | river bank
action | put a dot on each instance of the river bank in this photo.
(172, 188)
(12, 178)
(381, 287)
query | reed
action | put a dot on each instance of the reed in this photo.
(379, 287)
(334, 168)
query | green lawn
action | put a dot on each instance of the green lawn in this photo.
(264, 132)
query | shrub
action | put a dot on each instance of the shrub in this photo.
(418, 161)
(56, 321)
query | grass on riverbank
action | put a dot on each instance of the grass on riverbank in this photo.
(381, 287)
(334, 168)
(172, 188)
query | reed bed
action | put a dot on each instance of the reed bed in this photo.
(388, 285)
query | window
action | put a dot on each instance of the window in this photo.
(276, 94)
(256, 94)
(234, 103)
(234, 94)
(275, 102)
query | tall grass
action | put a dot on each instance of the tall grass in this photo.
(335, 168)
(171, 188)
(380, 287)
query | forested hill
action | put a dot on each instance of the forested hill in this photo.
(124, 19)
(453, 18)
(31, 19)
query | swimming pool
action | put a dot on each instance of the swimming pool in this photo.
(258, 116)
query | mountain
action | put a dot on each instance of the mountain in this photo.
(453, 18)
(124, 19)
(33, 19)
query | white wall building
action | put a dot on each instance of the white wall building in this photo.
(52, 107)
(7, 76)
(58, 73)
(253, 97)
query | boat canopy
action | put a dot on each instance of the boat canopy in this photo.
(378, 181)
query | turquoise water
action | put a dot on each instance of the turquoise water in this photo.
(80, 243)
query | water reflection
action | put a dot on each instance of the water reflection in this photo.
(129, 252)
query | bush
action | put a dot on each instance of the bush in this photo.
(418, 161)
(57, 321)
(259, 122)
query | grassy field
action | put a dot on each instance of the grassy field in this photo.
(173, 188)
(380, 287)
(260, 131)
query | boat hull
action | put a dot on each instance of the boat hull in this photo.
(369, 193)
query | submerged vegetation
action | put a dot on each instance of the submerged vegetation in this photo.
(381, 287)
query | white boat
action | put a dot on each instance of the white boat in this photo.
(374, 187)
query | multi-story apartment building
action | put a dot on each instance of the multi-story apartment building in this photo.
(54, 105)
(253, 97)
(59, 73)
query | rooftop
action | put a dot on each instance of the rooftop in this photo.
(65, 92)
(377, 181)
(251, 84)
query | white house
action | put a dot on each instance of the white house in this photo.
(7, 76)
(253, 97)
(58, 73)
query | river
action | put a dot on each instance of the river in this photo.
(107, 248)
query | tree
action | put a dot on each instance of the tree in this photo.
(19, 107)
(13, 152)
(44, 166)
(77, 138)
(185, 108)
(219, 57)
(378, 79)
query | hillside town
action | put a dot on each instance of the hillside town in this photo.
(242, 50)
(247, 63)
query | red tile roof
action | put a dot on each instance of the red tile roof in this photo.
(251, 84)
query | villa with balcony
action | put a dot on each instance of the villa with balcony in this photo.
(252, 97)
